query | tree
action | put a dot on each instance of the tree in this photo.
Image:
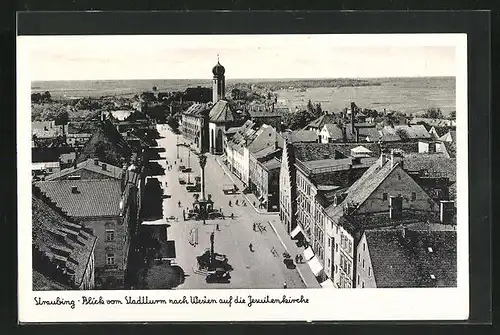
(62, 118)
(433, 113)
(453, 115)
(46, 96)
(402, 134)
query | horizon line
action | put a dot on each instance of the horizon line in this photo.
(253, 78)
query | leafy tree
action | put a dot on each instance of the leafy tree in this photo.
(402, 134)
(433, 113)
(46, 96)
(453, 115)
(62, 118)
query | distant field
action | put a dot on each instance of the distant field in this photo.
(410, 95)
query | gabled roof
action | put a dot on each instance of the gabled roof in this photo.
(364, 186)
(54, 236)
(95, 197)
(417, 131)
(107, 144)
(317, 151)
(334, 130)
(408, 262)
(440, 130)
(89, 165)
(321, 121)
(272, 164)
(221, 112)
(297, 136)
(432, 162)
(196, 110)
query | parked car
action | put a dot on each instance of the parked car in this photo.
(289, 263)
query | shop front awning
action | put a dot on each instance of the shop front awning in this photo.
(327, 284)
(308, 253)
(315, 265)
(296, 231)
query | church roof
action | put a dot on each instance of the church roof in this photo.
(221, 112)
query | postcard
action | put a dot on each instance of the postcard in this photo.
(242, 177)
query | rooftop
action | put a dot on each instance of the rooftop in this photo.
(55, 237)
(408, 262)
(417, 131)
(297, 136)
(318, 151)
(321, 121)
(89, 165)
(221, 112)
(431, 162)
(272, 164)
(107, 144)
(94, 197)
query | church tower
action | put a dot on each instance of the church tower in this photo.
(219, 82)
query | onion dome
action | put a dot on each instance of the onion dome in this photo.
(218, 69)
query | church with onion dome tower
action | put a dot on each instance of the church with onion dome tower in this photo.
(218, 82)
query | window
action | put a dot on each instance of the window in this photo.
(110, 235)
(329, 243)
(336, 269)
(359, 257)
(364, 246)
(369, 271)
(358, 279)
(363, 284)
(336, 247)
(413, 196)
(110, 259)
(384, 197)
(363, 263)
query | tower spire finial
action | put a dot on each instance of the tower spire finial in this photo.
(217, 58)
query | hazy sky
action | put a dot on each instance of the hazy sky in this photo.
(243, 56)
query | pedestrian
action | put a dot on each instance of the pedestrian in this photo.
(301, 259)
(236, 202)
(254, 204)
(297, 259)
(284, 285)
(254, 226)
(230, 203)
(232, 215)
(217, 227)
(223, 217)
(250, 246)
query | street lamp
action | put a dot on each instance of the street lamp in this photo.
(177, 146)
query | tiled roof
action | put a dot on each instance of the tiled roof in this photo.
(372, 133)
(432, 162)
(265, 136)
(334, 130)
(406, 147)
(412, 132)
(297, 136)
(54, 236)
(407, 262)
(272, 164)
(197, 109)
(107, 144)
(325, 198)
(321, 121)
(440, 131)
(363, 187)
(221, 112)
(95, 197)
(43, 283)
(89, 165)
(342, 177)
(434, 122)
(317, 151)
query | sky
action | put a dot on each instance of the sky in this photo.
(243, 56)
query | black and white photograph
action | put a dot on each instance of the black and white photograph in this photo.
(324, 164)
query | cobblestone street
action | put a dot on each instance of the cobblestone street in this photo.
(261, 267)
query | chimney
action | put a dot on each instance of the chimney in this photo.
(352, 117)
(104, 167)
(395, 207)
(96, 161)
(446, 209)
(383, 159)
(404, 231)
(74, 189)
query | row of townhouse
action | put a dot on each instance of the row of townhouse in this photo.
(337, 211)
